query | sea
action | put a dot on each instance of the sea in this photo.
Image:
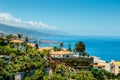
(105, 47)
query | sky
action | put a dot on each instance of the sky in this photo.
(77, 17)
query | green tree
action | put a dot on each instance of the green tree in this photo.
(38, 75)
(55, 48)
(10, 36)
(36, 45)
(26, 39)
(19, 36)
(27, 78)
(98, 74)
(61, 45)
(69, 47)
(80, 47)
(84, 75)
(3, 42)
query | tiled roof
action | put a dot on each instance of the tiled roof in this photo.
(61, 52)
(117, 63)
(100, 64)
(45, 48)
(16, 41)
(31, 44)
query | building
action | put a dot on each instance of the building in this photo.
(16, 41)
(116, 67)
(98, 60)
(45, 49)
(103, 66)
(69, 59)
(31, 45)
(61, 54)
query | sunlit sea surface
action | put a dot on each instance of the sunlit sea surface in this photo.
(107, 48)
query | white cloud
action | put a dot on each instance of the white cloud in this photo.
(7, 18)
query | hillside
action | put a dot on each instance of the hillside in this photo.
(6, 29)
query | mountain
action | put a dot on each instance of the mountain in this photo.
(6, 29)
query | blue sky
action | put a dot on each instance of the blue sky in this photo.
(77, 17)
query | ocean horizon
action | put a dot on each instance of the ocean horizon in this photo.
(105, 47)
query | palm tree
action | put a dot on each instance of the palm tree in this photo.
(55, 48)
(19, 36)
(10, 36)
(61, 45)
(26, 39)
(80, 47)
(69, 47)
(36, 45)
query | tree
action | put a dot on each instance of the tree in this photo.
(84, 75)
(27, 78)
(26, 39)
(10, 36)
(69, 47)
(80, 47)
(61, 45)
(36, 45)
(19, 36)
(98, 74)
(2, 42)
(55, 48)
(38, 75)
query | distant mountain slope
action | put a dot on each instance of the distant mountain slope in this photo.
(14, 30)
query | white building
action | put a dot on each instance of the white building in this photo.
(116, 67)
(97, 60)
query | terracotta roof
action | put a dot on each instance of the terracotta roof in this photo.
(64, 49)
(117, 63)
(31, 44)
(61, 52)
(16, 41)
(100, 64)
(45, 48)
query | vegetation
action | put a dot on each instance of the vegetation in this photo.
(19, 36)
(36, 65)
(56, 48)
(61, 45)
(69, 47)
(80, 47)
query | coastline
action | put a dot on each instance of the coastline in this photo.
(96, 46)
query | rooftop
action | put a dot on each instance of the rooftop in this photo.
(100, 65)
(117, 63)
(61, 52)
(45, 48)
(31, 44)
(16, 41)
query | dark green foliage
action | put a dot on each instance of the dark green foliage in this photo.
(7, 51)
(69, 47)
(99, 75)
(61, 45)
(10, 36)
(36, 45)
(80, 47)
(102, 74)
(26, 39)
(3, 42)
(56, 48)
